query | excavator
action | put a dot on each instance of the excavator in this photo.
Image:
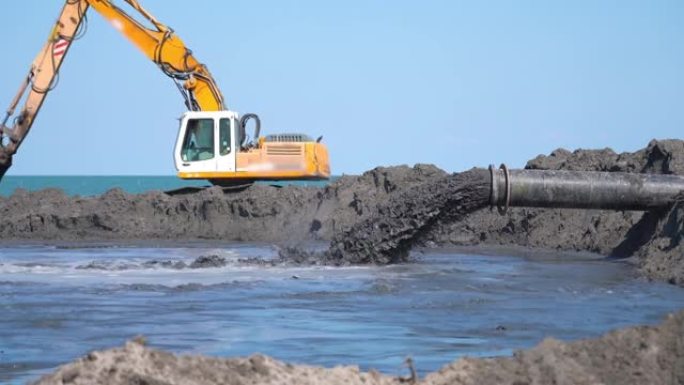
(212, 142)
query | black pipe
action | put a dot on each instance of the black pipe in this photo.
(582, 190)
(243, 127)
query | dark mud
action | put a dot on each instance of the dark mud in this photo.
(637, 355)
(662, 254)
(653, 239)
(356, 212)
(258, 214)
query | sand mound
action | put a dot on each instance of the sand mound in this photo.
(637, 355)
(348, 210)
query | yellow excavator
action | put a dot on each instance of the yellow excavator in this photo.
(212, 142)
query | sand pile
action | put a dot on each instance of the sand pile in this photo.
(388, 199)
(392, 230)
(661, 256)
(654, 237)
(260, 213)
(638, 355)
(604, 232)
(137, 364)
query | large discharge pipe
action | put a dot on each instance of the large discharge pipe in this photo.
(582, 190)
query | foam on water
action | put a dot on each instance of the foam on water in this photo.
(151, 266)
(446, 305)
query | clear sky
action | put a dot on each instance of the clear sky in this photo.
(455, 83)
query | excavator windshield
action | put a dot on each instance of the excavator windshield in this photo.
(199, 140)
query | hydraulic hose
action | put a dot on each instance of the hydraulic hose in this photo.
(243, 127)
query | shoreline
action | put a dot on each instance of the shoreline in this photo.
(627, 356)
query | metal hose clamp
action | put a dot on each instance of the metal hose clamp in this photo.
(494, 200)
(507, 197)
(494, 192)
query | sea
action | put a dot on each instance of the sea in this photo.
(95, 185)
(59, 301)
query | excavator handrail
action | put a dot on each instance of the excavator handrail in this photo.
(198, 87)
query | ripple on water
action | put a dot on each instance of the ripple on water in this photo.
(446, 305)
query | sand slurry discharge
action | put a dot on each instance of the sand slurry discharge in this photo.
(389, 233)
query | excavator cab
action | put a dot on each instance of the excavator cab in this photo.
(213, 145)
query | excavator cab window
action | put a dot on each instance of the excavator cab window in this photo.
(198, 143)
(224, 136)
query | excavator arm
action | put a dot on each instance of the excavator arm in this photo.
(159, 44)
(164, 48)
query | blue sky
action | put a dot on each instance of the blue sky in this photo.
(455, 83)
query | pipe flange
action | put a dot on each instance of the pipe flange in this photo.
(507, 190)
(494, 191)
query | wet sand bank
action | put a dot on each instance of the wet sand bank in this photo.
(637, 355)
(290, 215)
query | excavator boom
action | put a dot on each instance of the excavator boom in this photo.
(39, 81)
(164, 48)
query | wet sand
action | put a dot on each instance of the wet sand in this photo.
(653, 355)
(291, 215)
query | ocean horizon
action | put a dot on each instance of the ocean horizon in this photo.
(89, 185)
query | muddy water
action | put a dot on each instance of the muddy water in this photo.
(450, 303)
